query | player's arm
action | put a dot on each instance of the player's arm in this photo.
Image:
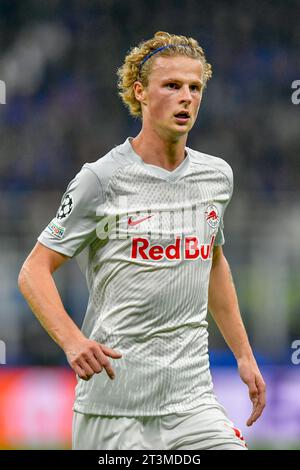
(223, 305)
(86, 357)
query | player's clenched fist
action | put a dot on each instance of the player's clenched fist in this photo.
(87, 357)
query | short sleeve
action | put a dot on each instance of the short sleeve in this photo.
(74, 226)
(220, 238)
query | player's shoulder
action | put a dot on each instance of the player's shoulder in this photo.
(218, 163)
(105, 166)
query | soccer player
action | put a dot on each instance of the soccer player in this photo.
(145, 223)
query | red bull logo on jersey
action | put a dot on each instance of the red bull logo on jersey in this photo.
(212, 215)
(188, 248)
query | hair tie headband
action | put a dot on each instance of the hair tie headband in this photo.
(157, 50)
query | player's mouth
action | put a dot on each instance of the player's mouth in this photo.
(183, 117)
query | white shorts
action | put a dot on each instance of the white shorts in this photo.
(203, 428)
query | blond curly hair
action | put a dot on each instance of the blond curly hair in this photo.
(132, 70)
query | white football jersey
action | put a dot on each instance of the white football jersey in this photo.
(143, 237)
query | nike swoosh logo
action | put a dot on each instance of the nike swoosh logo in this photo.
(138, 221)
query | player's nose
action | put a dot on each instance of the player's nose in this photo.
(186, 94)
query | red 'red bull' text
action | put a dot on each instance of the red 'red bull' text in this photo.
(191, 249)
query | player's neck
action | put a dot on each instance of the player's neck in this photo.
(155, 150)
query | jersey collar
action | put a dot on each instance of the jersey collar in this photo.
(172, 175)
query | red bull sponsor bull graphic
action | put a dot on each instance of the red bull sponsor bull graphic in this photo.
(212, 215)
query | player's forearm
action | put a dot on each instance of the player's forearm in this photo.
(39, 289)
(223, 305)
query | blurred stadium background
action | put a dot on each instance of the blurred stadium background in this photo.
(58, 60)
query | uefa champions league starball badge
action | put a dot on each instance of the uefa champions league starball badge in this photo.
(66, 207)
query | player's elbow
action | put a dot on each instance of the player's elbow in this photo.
(24, 274)
(29, 273)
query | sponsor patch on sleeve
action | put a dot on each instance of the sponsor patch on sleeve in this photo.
(56, 230)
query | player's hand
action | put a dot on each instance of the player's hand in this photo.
(251, 376)
(87, 357)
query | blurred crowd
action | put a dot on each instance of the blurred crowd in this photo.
(59, 62)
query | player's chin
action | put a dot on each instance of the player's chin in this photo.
(184, 126)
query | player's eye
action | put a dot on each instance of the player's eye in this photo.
(195, 88)
(172, 85)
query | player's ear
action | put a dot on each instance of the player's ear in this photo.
(139, 91)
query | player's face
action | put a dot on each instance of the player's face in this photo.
(175, 86)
